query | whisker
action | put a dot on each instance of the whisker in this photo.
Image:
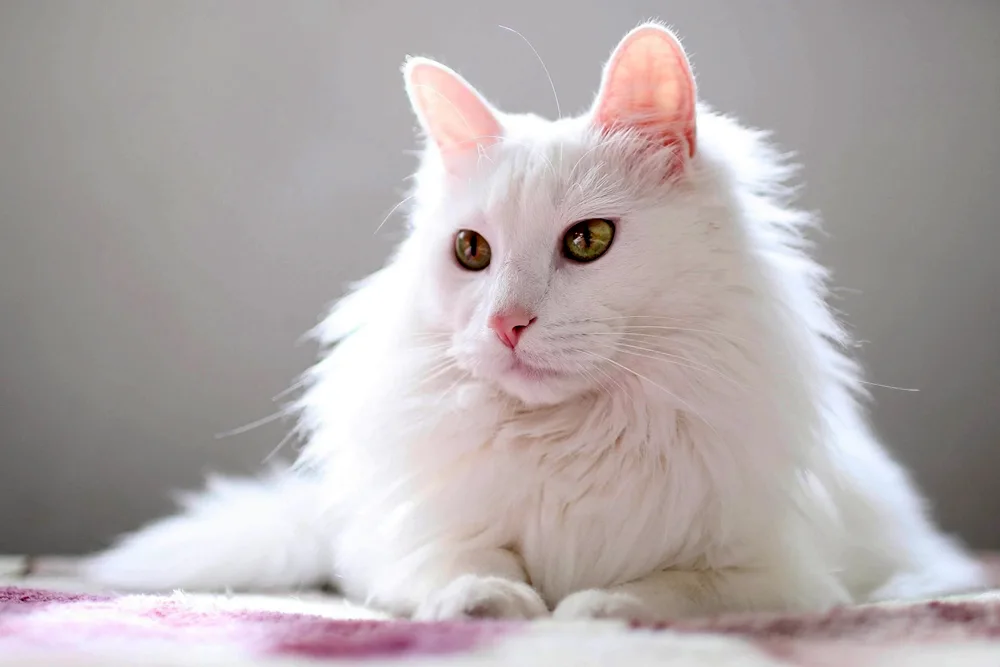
(660, 327)
(694, 351)
(430, 337)
(544, 68)
(644, 338)
(281, 414)
(422, 385)
(547, 76)
(628, 334)
(454, 384)
(434, 346)
(583, 370)
(391, 211)
(676, 359)
(677, 398)
(436, 370)
(888, 386)
(616, 318)
(631, 317)
(640, 338)
(295, 386)
(612, 378)
(274, 452)
(721, 334)
(597, 369)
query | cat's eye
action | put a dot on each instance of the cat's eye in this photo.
(588, 239)
(471, 250)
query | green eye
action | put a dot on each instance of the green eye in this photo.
(588, 239)
(471, 250)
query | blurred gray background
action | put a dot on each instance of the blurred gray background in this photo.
(185, 185)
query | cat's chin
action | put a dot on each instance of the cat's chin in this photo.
(539, 386)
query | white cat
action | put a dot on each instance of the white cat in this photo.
(599, 378)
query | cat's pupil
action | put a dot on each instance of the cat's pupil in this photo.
(472, 250)
(588, 239)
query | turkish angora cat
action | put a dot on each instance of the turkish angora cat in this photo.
(598, 377)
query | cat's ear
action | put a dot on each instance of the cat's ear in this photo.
(452, 113)
(648, 86)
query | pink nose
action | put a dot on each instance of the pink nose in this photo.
(509, 325)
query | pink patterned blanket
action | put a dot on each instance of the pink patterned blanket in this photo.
(42, 627)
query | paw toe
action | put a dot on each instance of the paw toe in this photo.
(474, 597)
(603, 604)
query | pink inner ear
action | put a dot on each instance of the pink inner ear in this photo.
(648, 85)
(453, 114)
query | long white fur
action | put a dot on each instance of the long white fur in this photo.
(703, 449)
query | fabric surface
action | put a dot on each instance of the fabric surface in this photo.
(49, 618)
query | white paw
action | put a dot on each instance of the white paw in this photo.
(603, 604)
(471, 596)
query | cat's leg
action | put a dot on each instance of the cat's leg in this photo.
(673, 594)
(489, 583)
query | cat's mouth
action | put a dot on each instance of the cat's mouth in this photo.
(522, 369)
(533, 379)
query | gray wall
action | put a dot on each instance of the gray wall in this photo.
(185, 184)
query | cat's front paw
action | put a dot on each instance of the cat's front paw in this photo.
(471, 596)
(604, 604)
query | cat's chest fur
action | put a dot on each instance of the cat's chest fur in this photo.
(595, 498)
(591, 493)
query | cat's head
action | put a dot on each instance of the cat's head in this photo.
(541, 245)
